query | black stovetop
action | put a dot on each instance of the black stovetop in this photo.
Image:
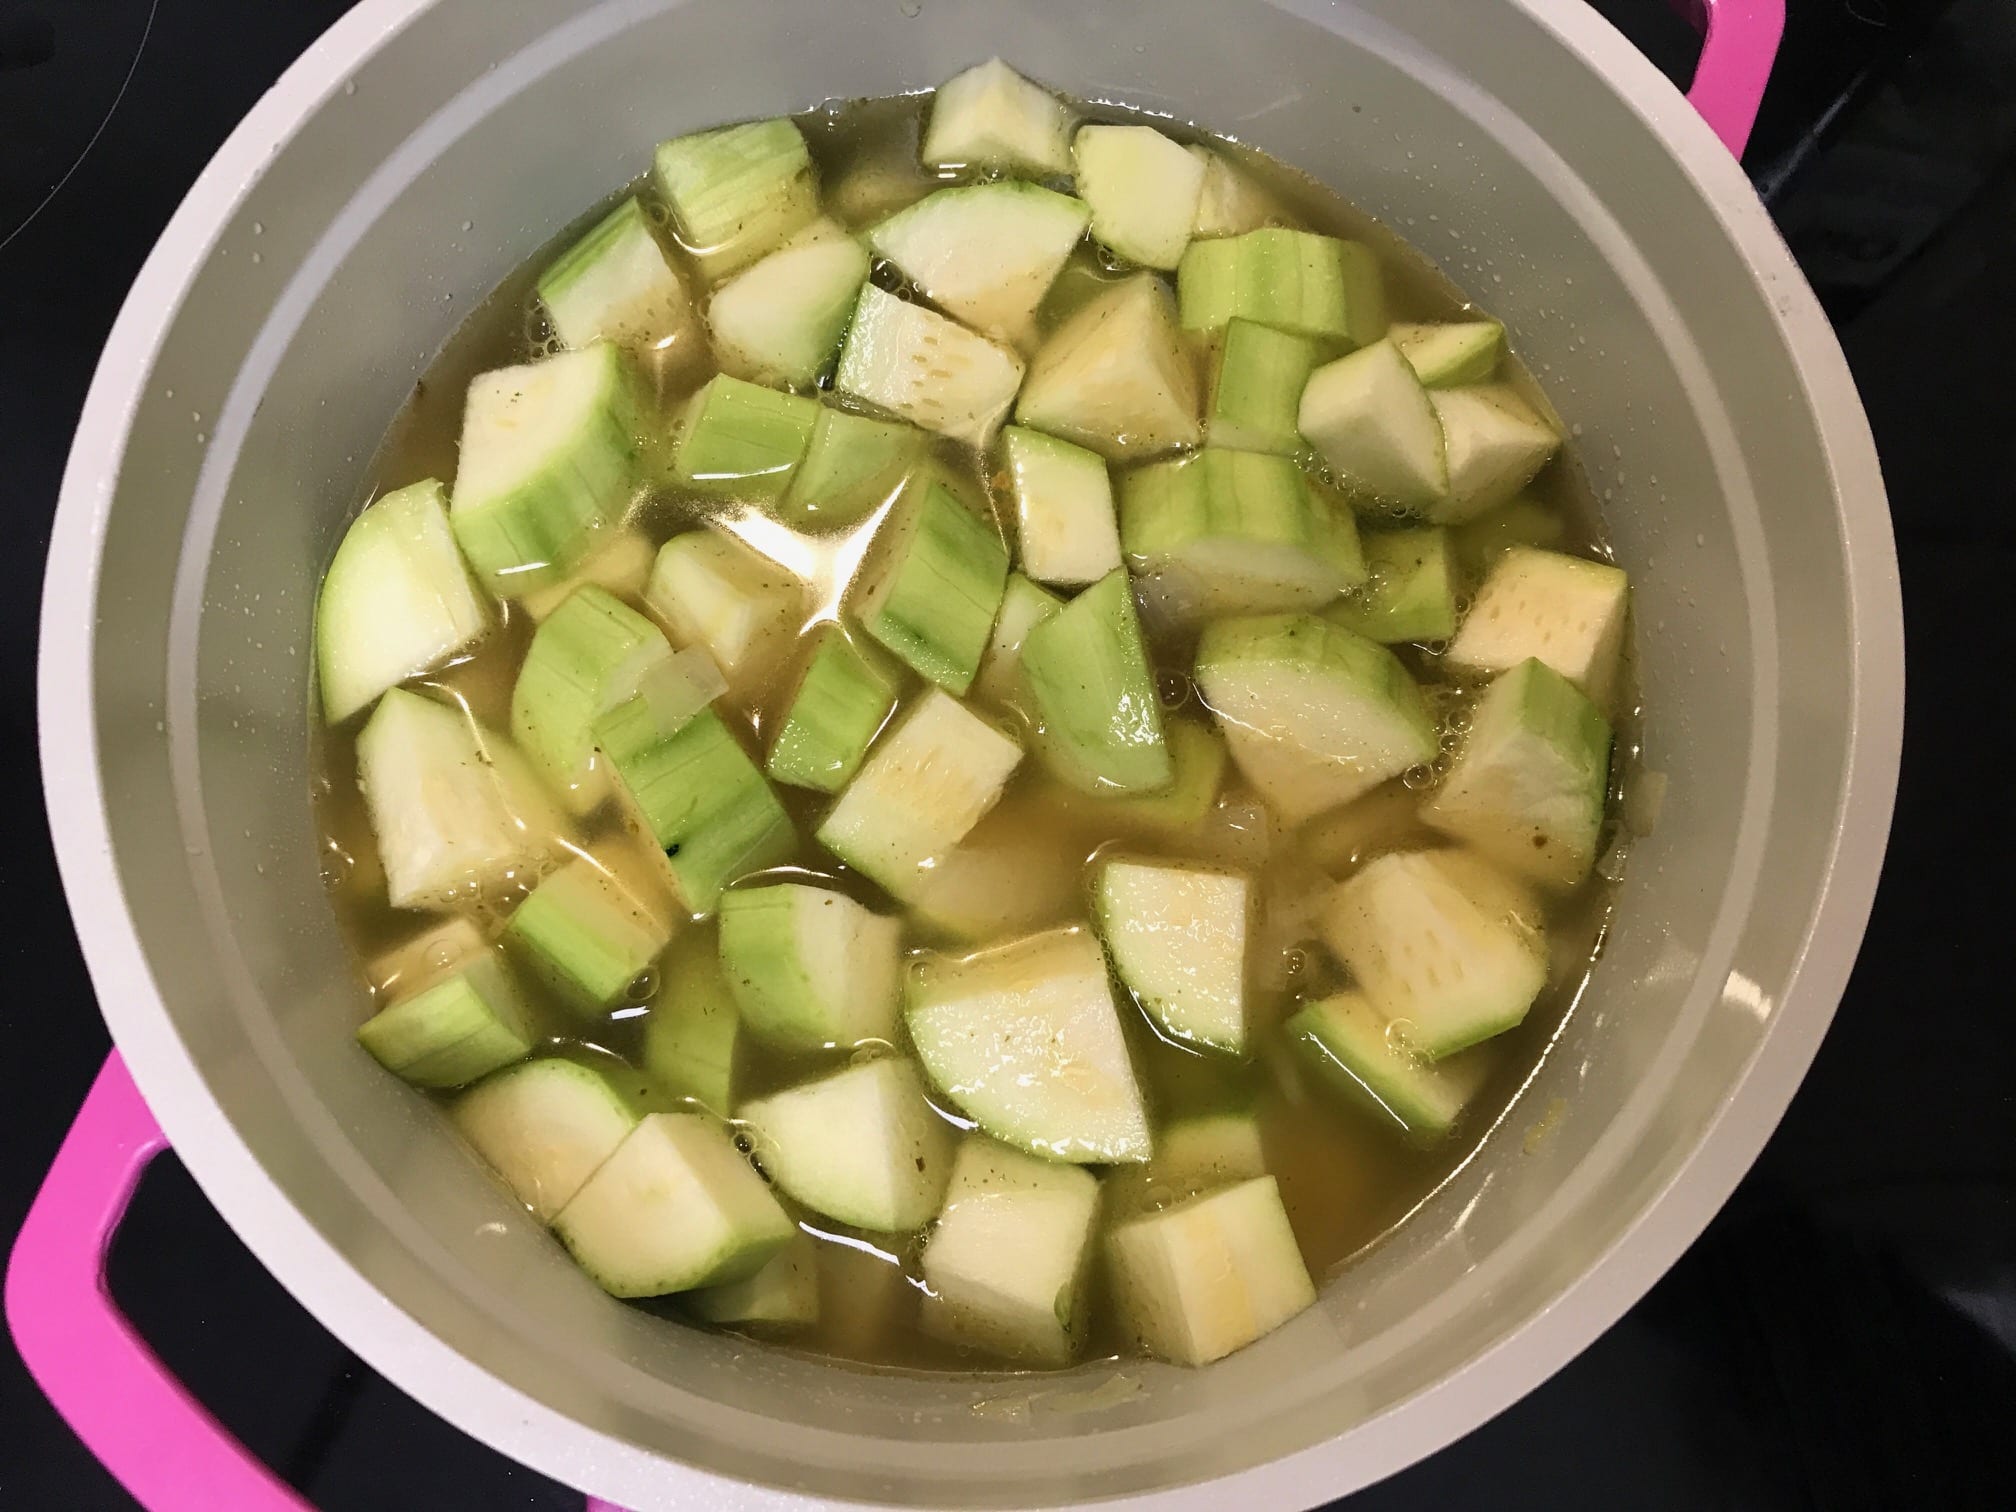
(1843, 1336)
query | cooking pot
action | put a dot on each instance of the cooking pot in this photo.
(421, 151)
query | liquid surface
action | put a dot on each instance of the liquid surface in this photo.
(1345, 1180)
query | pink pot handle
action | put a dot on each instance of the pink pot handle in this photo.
(98, 1373)
(1739, 43)
(156, 1439)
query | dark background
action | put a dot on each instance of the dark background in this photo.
(1843, 1336)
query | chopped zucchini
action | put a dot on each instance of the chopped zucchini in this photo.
(935, 579)
(691, 787)
(455, 809)
(545, 1124)
(1314, 715)
(589, 655)
(1177, 936)
(619, 565)
(842, 700)
(991, 117)
(741, 440)
(1142, 189)
(985, 254)
(548, 463)
(1565, 611)
(453, 1030)
(715, 592)
(1005, 1263)
(1257, 378)
(693, 1036)
(676, 1206)
(874, 185)
(1230, 203)
(1009, 877)
(1410, 592)
(926, 783)
(1192, 1155)
(784, 1294)
(1523, 522)
(781, 319)
(422, 959)
(1452, 353)
(1115, 376)
(855, 463)
(587, 936)
(1178, 811)
(1024, 606)
(1211, 1275)
(737, 193)
(1355, 1048)
(921, 367)
(1093, 693)
(862, 1145)
(1447, 948)
(1228, 532)
(1376, 426)
(1495, 443)
(1294, 281)
(810, 968)
(616, 284)
(1025, 1040)
(1527, 786)
(1065, 526)
(396, 600)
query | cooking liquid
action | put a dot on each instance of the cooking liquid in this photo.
(1346, 1180)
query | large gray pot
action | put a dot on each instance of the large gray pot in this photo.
(420, 152)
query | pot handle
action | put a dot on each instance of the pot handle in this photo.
(1739, 44)
(158, 1441)
(99, 1374)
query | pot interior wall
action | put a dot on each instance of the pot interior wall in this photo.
(483, 125)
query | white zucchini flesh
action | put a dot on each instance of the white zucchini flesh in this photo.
(713, 592)
(454, 807)
(985, 254)
(991, 117)
(1005, 1263)
(1230, 203)
(1067, 530)
(1494, 443)
(1024, 1038)
(1211, 1275)
(1314, 715)
(1447, 948)
(1177, 935)
(1375, 424)
(1565, 611)
(781, 320)
(396, 600)
(1116, 376)
(1528, 784)
(919, 366)
(1024, 606)
(926, 783)
(862, 1145)
(544, 1125)
(1142, 189)
(674, 1207)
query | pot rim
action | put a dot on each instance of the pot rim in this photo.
(402, 1349)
